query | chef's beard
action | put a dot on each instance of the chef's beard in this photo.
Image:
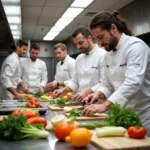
(112, 43)
(33, 58)
(86, 50)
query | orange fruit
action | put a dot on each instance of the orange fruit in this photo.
(69, 94)
(65, 98)
(79, 137)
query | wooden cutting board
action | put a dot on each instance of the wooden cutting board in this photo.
(121, 143)
(57, 108)
(97, 116)
(1, 117)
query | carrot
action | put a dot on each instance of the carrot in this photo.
(37, 120)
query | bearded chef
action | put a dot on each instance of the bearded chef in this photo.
(33, 71)
(126, 76)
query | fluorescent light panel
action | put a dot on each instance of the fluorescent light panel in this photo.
(63, 21)
(14, 27)
(57, 28)
(51, 35)
(12, 10)
(16, 32)
(81, 3)
(16, 36)
(72, 12)
(11, 1)
(13, 19)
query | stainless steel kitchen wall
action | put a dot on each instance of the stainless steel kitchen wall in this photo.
(137, 15)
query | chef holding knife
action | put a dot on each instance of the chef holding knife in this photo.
(126, 74)
(10, 72)
(88, 65)
(33, 71)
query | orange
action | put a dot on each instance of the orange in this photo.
(65, 98)
(79, 137)
(69, 94)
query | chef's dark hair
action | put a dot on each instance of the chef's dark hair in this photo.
(105, 20)
(85, 31)
(19, 43)
(35, 46)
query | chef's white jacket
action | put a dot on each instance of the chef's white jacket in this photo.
(127, 76)
(10, 75)
(33, 73)
(87, 71)
(64, 72)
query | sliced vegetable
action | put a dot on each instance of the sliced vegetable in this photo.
(67, 109)
(137, 132)
(75, 113)
(17, 128)
(37, 120)
(58, 119)
(46, 97)
(110, 131)
(38, 94)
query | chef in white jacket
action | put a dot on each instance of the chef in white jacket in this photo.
(126, 75)
(10, 73)
(64, 68)
(34, 71)
(87, 67)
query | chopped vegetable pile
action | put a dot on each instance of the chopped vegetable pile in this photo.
(59, 101)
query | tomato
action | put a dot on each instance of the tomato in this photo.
(28, 114)
(62, 130)
(50, 94)
(37, 120)
(135, 132)
(20, 92)
(31, 105)
(65, 98)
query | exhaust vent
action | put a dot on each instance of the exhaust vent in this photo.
(90, 14)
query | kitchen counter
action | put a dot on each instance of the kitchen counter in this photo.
(41, 144)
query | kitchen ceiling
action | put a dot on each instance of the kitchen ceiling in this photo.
(38, 16)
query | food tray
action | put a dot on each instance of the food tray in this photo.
(7, 106)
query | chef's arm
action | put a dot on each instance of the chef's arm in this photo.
(12, 91)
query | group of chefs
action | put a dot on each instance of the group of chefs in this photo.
(116, 72)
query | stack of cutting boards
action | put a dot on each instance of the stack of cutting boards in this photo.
(121, 143)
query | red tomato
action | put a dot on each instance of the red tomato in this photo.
(137, 133)
(31, 105)
(62, 130)
(50, 94)
(37, 120)
(27, 113)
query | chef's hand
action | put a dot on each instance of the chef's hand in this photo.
(41, 89)
(94, 108)
(51, 85)
(25, 89)
(79, 97)
(91, 98)
(57, 93)
(19, 96)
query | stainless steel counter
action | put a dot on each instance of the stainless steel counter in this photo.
(41, 144)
